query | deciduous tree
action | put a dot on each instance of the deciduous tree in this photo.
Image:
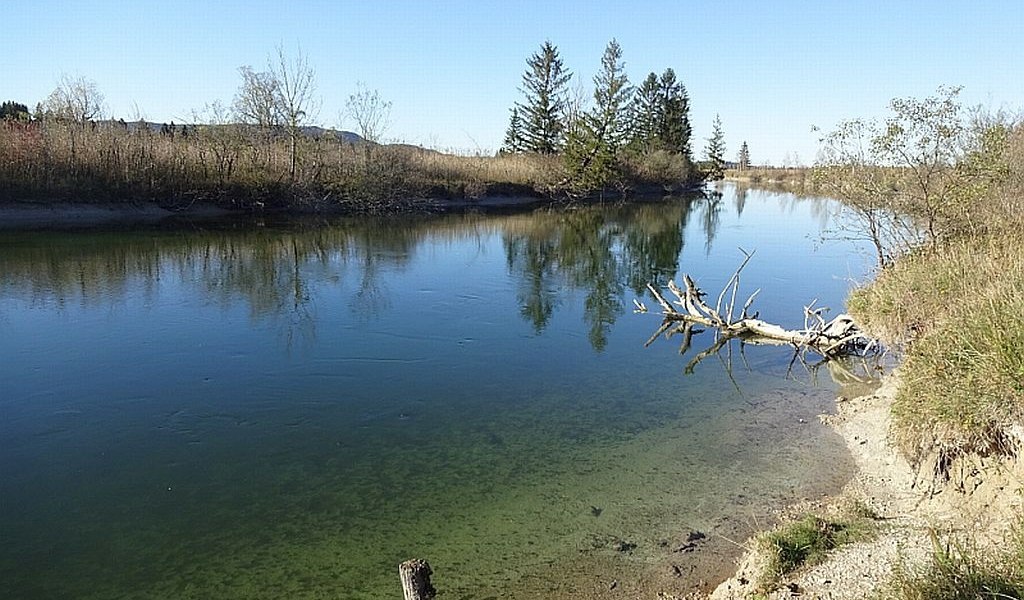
(371, 113)
(76, 99)
(296, 95)
(255, 102)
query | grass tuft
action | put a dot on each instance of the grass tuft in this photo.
(960, 571)
(809, 539)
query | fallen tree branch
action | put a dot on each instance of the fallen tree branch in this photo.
(839, 337)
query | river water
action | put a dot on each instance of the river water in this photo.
(290, 409)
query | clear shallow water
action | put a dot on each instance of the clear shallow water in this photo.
(290, 410)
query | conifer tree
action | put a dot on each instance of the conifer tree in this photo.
(647, 109)
(595, 138)
(541, 110)
(674, 127)
(514, 133)
(715, 152)
(743, 159)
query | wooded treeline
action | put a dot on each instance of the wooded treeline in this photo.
(264, 149)
(624, 133)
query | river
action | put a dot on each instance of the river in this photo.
(288, 409)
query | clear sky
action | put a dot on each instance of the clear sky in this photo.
(452, 68)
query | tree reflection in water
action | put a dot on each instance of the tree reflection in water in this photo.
(599, 251)
(279, 271)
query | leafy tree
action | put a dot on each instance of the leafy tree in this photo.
(75, 99)
(14, 111)
(542, 109)
(916, 178)
(514, 133)
(595, 138)
(743, 158)
(714, 152)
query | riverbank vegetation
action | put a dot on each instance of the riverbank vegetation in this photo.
(962, 570)
(265, 149)
(939, 195)
(938, 192)
(807, 541)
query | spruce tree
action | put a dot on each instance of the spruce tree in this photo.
(595, 138)
(647, 109)
(674, 127)
(514, 133)
(541, 110)
(743, 159)
(612, 98)
(715, 152)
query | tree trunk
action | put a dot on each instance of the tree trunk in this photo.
(415, 575)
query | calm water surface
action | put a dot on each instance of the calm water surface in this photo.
(289, 410)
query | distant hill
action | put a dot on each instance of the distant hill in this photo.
(312, 131)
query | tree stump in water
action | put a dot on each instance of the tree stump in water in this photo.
(415, 575)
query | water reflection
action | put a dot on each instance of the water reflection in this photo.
(279, 270)
(601, 253)
(296, 407)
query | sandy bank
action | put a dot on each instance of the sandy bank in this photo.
(980, 497)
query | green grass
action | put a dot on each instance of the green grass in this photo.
(961, 571)
(808, 540)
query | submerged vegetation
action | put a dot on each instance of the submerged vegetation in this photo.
(265, 149)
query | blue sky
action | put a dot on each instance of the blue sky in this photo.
(452, 68)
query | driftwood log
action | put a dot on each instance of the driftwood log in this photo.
(831, 339)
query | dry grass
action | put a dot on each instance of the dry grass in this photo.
(797, 180)
(241, 166)
(245, 166)
(960, 570)
(958, 306)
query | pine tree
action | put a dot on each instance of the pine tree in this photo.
(715, 152)
(514, 133)
(743, 159)
(595, 138)
(544, 90)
